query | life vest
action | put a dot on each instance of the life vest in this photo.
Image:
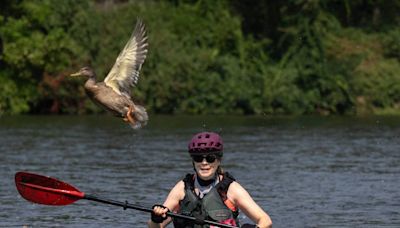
(214, 206)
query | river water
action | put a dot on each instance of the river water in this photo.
(305, 172)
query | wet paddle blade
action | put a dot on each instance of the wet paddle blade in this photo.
(46, 190)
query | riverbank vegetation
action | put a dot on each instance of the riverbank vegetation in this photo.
(206, 56)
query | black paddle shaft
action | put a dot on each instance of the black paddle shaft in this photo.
(127, 205)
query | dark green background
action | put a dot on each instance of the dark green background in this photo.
(207, 57)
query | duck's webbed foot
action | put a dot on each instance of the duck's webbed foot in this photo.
(128, 117)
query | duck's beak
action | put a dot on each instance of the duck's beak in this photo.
(75, 74)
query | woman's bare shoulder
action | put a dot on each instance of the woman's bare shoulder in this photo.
(178, 191)
(236, 191)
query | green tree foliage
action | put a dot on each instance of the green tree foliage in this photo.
(38, 48)
(244, 57)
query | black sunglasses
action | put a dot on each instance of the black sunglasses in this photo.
(210, 158)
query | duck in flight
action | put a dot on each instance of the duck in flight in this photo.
(114, 93)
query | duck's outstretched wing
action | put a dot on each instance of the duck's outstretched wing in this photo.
(125, 72)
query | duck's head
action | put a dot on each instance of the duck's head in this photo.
(85, 71)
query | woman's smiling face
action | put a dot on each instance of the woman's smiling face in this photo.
(206, 170)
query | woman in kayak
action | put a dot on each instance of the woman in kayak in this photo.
(210, 193)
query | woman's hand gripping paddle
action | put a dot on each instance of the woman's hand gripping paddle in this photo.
(50, 191)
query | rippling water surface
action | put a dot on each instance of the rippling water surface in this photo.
(305, 172)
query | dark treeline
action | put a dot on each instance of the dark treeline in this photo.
(207, 57)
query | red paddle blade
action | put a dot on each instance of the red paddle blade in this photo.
(46, 190)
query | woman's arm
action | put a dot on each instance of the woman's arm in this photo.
(243, 200)
(171, 203)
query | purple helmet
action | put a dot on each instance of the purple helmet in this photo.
(206, 142)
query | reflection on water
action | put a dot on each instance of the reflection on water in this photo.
(305, 172)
